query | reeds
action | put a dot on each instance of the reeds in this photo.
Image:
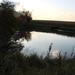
(19, 64)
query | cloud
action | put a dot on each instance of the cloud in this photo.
(67, 17)
(34, 34)
(55, 53)
(24, 42)
(52, 34)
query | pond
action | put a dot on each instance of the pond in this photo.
(40, 42)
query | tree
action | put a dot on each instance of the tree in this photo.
(6, 14)
(28, 15)
(8, 23)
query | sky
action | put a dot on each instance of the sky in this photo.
(63, 10)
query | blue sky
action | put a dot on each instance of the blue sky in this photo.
(49, 9)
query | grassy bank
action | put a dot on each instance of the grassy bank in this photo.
(15, 63)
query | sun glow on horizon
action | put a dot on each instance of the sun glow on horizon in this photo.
(48, 9)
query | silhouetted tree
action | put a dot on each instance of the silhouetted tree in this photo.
(8, 23)
(28, 15)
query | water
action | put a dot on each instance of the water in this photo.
(40, 43)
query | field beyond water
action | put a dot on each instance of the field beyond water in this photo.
(63, 25)
(54, 22)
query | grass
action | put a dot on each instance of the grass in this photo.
(18, 64)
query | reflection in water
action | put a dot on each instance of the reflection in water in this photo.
(21, 35)
(40, 43)
(55, 53)
(15, 41)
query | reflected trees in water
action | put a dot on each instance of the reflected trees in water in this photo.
(14, 44)
(21, 35)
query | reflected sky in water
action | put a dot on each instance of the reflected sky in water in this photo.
(41, 41)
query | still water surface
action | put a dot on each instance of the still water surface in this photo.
(40, 43)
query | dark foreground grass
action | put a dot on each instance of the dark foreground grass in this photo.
(19, 64)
